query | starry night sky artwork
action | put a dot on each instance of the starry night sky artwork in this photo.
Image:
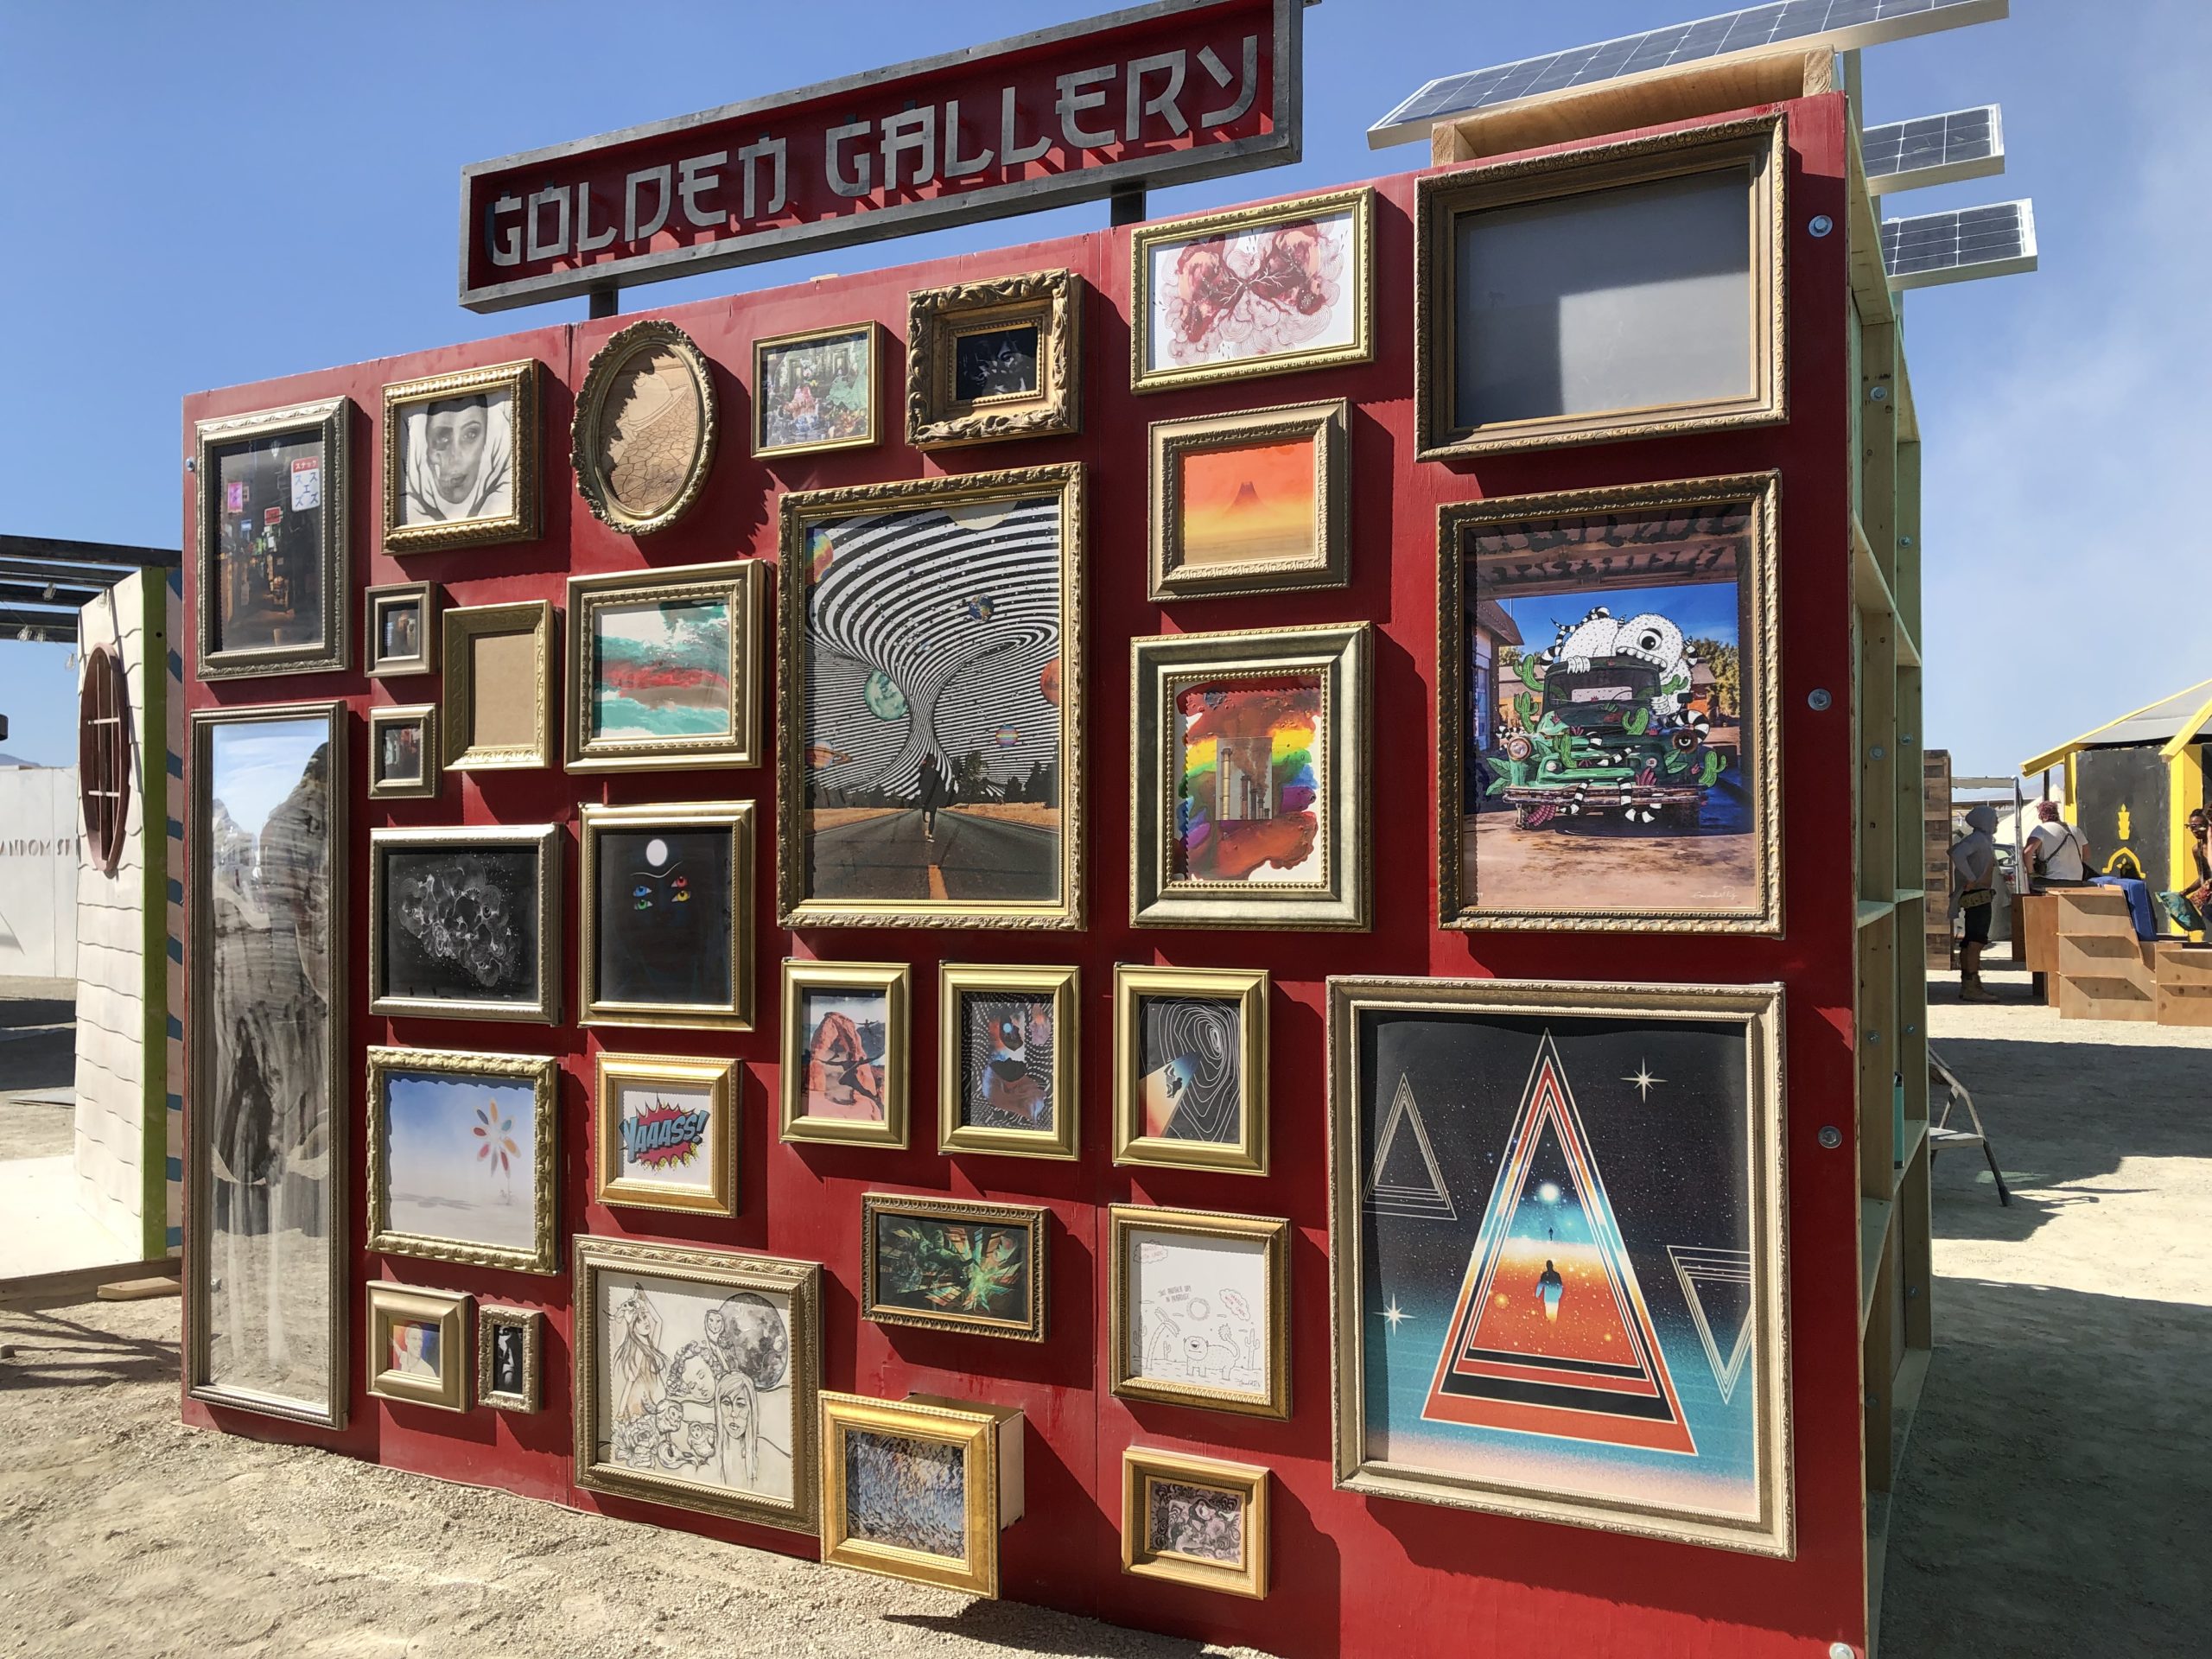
(664, 917)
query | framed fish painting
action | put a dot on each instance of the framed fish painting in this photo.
(664, 668)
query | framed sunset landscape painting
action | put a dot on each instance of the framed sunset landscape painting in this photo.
(664, 667)
(1250, 502)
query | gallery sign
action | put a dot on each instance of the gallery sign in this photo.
(1161, 94)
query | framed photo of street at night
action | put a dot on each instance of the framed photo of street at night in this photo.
(273, 567)
(461, 459)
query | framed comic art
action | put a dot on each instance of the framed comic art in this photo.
(273, 563)
(1251, 503)
(1253, 290)
(400, 620)
(461, 458)
(464, 922)
(928, 774)
(920, 1488)
(462, 1160)
(950, 1265)
(497, 688)
(1607, 675)
(994, 359)
(695, 1378)
(644, 432)
(1009, 1048)
(402, 752)
(665, 1133)
(1201, 1309)
(1555, 1232)
(1191, 1068)
(267, 1173)
(845, 1049)
(665, 915)
(510, 1359)
(817, 390)
(1248, 773)
(664, 667)
(1197, 1520)
(418, 1352)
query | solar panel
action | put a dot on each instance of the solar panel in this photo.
(1799, 24)
(1934, 150)
(1960, 246)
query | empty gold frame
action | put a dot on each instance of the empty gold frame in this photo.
(499, 687)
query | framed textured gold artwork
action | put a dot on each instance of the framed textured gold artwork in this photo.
(1202, 1521)
(644, 433)
(463, 1164)
(664, 667)
(1251, 503)
(994, 359)
(499, 687)
(273, 571)
(418, 1346)
(920, 1488)
(461, 458)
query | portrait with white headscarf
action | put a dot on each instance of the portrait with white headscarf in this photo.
(457, 459)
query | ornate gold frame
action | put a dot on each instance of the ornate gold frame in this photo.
(1757, 143)
(374, 664)
(802, 510)
(1759, 644)
(722, 1081)
(520, 522)
(1055, 985)
(1358, 202)
(1029, 1218)
(937, 318)
(762, 347)
(739, 585)
(390, 1304)
(976, 1430)
(894, 981)
(1339, 656)
(591, 403)
(736, 816)
(531, 1324)
(1246, 1482)
(462, 628)
(797, 1284)
(1757, 1009)
(331, 419)
(424, 717)
(542, 1073)
(1329, 425)
(1248, 988)
(1125, 1221)
(545, 838)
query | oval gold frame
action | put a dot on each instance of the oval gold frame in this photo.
(652, 333)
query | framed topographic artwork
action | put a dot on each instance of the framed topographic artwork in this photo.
(644, 433)
(510, 1359)
(665, 1133)
(1008, 1047)
(932, 689)
(266, 1169)
(404, 752)
(920, 1489)
(497, 691)
(418, 1346)
(1197, 1520)
(664, 667)
(1251, 503)
(1608, 695)
(402, 619)
(462, 1157)
(845, 1051)
(953, 1265)
(994, 359)
(1555, 1237)
(1201, 1309)
(464, 922)
(665, 915)
(273, 565)
(461, 458)
(1191, 1068)
(817, 390)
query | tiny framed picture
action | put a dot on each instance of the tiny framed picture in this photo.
(994, 359)
(464, 922)
(416, 1346)
(817, 390)
(510, 1358)
(644, 433)
(273, 569)
(845, 1051)
(1197, 1520)
(950, 1265)
(461, 459)
(461, 1159)
(666, 931)
(1191, 1068)
(1008, 1060)
(499, 686)
(1201, 1309)
(1253, 290)
(401, 620)
(920, 1489)
(666, 1132)
(402, 752)
(664, 667)
(1252, 503)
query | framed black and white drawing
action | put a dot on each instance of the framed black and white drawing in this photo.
(464, 922)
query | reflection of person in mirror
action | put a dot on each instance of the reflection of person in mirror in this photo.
(460, 461)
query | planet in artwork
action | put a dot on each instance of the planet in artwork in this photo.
(885, 700)
(754, 1338)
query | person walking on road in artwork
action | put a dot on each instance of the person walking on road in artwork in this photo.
(1974, 860)
(931, 788)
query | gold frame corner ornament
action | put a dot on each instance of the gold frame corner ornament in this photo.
(1059, 986)
(531, 1324)
(545, 839)
(1030, 1219)
(390, 1304)
(1142, 1557)
(723, 1080)
(423, 716)
(975, 1431)
(874, 331)
(522, 381)
(939, 318)
(1125, 1223)
(459, 629)
(1328, 424)
(894, 981)
(1248, 988)
(650, 333)
(740, 586)
(737, 818)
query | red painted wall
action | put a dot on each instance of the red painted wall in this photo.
(1351, 1573)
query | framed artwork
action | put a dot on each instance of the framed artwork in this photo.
(402, 619)
(994, 359)
(1197, 1520)
(499, 687)
(845, 1051)
(664, 668)
(1251, 503)
(1201, 1314)
(933, 696)
(920, 1488)
(273, 567)
(1253, 291)
(953, 1266)
(266, 1168)
(1249, 778)
(666, 1132)
(817, 390)
(1555, 1237)
(1620, 291)
(510, 1359)
(644, 433)
(461, 459)
(1191, 1068)
(1609, 753)
(417, 1346)
(696, 1377)
(461, 1159)
(666, 929)
(402, 752)
(464, 922)
(1010, 1051)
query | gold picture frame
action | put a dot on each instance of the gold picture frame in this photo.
(396, 1310)
(386, 785)
(932, 1301)
(1757, 143)
(1339, 266)
(739, 590)
(502, 515)
(1261, 841)
(763, 374)
(720, 1081)
(1189, 1553)
(240, 559)
(682, 376)
(510, 745)
(441, 1136)
(599, 934)
(883, 1080)
(985, 1441)
(1156, 1355)
(1180, 569)
(532, 976)
(940, 414)
(530, 1325)
(1057, 986)
(1193, 1093)
(381, 665)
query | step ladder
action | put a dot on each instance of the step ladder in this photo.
(1940, 1135)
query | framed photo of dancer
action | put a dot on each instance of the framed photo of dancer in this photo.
(1007, 1060)
(1191, 1068)
(510, 1358)
(845, 1047)
(666, 931)
(461, 459)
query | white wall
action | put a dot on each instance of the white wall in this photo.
(38, 872)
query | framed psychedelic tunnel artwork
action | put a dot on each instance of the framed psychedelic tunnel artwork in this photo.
(1557, 1249)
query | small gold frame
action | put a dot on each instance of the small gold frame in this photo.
(653, 335)
(740, 587)
(735, 817)
(1143, 1556)
(1025, 1218)
(543, 1009)
(1058, 986)
(375, 601)
(1328, 426)
(939, 318)
(423, 716)
(1247, 989)
(872, 331)
(461, 629)
(531, 1324)
(990, 1442)
(1128, 1224)
(391, 1305)
(722, 1081)
(894, 981)
(542, 1074)
(520, 521)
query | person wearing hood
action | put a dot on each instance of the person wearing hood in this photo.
(1973, 896)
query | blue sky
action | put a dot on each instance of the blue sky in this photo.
(198, 198)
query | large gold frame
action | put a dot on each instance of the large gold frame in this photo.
(1759, 644)
(735, 817)
(543, 1074)
(531, 1324)
(520, 522)
(1029, 1218)
(939, 318)
(606, 365)
(424, 717)
(1142, 1557)
(762, 346)
(739, 585)
(545, 838)
(1248, 988)
(1125, 1221)
(331, 419)
(460, 629)
(1058, 986)
(1328, 424)
(374, 662)
(894, 980)
(390, 1304)
(976, 1430)
(721, 1079)
(1758, 1010)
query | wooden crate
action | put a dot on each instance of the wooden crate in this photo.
(2034, 931)
(2105, 971)
(2185, 985)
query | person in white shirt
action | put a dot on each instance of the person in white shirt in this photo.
(2057, 852)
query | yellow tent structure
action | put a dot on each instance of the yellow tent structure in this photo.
(2131, 783)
